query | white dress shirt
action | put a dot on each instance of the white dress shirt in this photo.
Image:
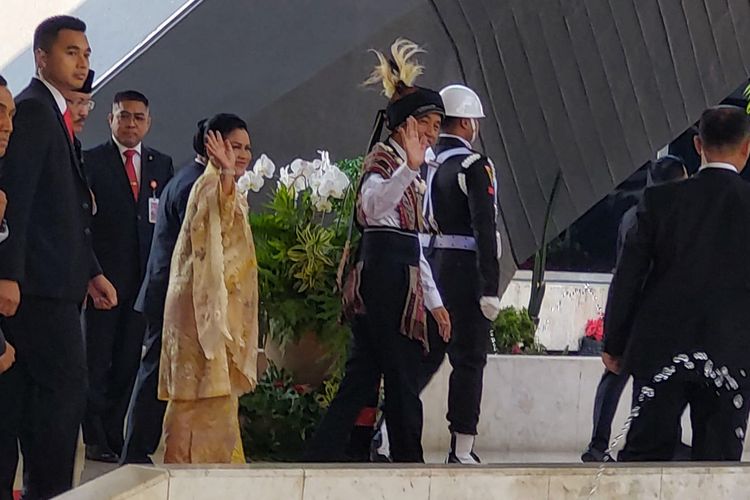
(136, 157)
(720, 165)
(59, 98)
(380, 199)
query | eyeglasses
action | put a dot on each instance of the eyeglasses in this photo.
(89, 103)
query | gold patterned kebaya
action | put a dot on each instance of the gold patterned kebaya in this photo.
(210, 335)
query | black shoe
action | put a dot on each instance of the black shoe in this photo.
(100, 453)
(453, 459)
(682, 453)
(594, 455)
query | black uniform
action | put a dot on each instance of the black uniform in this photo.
(464, 255)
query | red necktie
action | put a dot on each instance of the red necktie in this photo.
(130, 169)
(68, 118)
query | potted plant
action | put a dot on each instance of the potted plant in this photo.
(513, 332)
(591, 343)
(278, 417)
(299, 240)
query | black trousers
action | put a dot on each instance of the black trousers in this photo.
(456, 277)
(718, 425)
(377, 348)
(42, 397)
(114, 340)
(146, 414)
(608, 394)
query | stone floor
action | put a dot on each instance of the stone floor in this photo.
(92, 470)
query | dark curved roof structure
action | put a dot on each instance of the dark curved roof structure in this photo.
(587, 88)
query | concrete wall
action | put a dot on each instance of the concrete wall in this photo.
(531, 405)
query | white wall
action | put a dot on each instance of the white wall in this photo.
(115, 27)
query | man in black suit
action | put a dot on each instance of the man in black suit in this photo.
(46, 265)
(682, 287)
(146, 413)
(127, 179)
(7, 110)
(668, 168)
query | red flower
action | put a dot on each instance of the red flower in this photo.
(299, 388)
(595, 328)
(278, 384)
(516, 349)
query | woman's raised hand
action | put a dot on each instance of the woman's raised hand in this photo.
(220, 152)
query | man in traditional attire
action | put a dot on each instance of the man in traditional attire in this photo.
(391, 285)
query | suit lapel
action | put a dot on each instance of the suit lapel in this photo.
(147, 175)
(43, 90)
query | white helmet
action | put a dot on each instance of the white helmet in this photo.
(461, 102)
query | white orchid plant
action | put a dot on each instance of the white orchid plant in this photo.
(299, 239)
(324, 180)
(253, 179)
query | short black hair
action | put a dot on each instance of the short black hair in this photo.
(668, 168)
(3, 81)
(723, 126)
(130, 95)
(450, 121)
(199, 139)
(47, 31)
(225, 123)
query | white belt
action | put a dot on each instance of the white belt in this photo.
(448, 241)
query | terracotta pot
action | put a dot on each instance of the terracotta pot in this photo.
(308, 360)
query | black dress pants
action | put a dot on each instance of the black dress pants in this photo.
(42, 397)
(378, 348)
(456, 277)
(718, 424)
(146, 414)
(607, 398)
(114, 340)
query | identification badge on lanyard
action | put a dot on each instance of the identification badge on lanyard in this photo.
(153, 204)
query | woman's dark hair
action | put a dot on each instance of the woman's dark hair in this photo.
(199, 139)
(225, 123)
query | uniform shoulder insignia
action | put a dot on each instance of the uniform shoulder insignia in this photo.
(469, 160)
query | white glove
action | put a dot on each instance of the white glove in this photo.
(490, 307)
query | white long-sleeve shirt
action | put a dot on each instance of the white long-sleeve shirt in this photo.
(380, 198)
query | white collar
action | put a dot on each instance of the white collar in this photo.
(721, 165)
(464, 141)
(56, 94)
(401, 152)
(122, 148)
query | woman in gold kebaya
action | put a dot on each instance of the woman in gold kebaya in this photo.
(210, 334)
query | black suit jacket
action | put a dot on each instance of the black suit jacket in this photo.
(48, 251)
(121, 229)
(683, 282)
(172, 208)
